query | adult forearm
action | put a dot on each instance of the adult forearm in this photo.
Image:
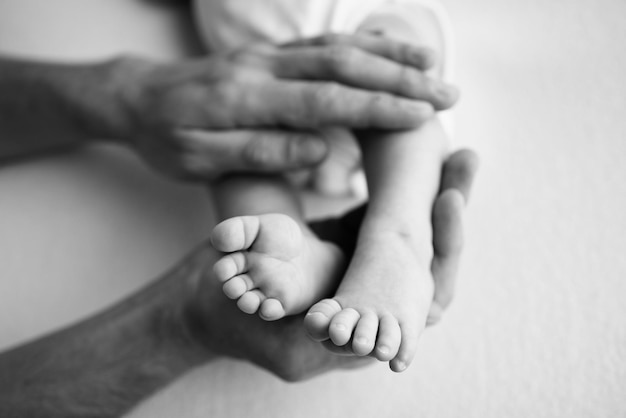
(103, 366)
(46, 106)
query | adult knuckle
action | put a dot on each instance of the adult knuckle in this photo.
(378, 102)
(321, 99)
(405, 52)
(323, 94)
(223, 97)
(339, 58)
(407, 81)
(222, 92)
(292, 148)
(260, 151)
(193, 161)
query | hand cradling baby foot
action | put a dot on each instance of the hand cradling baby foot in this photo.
(276, 267)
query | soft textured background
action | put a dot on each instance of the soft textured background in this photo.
(539, 325)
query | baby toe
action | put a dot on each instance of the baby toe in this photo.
(317, 320)
(271, 309)
(365, 334)
(250, 301)
(229, 266)
(237, 286)
(342, 325)
(388, 339)
(406, 352)
(235, 234)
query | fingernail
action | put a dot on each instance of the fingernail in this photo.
(448, 92)
(401, 366)
(423, 57)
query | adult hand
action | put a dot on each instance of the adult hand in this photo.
(215, 323)
(129, 351)
(200, 118)
(184, 320)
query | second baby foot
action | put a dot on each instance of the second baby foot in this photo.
(381, 305)
(273, 265)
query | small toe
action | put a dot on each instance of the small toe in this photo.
(317, 320)
(365, 334)
(406, 352)
(250, 301)
(342, 325)
(237, 286)
(271, 310)
(388, 339)
(229, 266)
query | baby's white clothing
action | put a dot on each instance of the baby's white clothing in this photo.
(229, 24)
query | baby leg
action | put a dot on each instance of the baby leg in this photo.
(382, 303)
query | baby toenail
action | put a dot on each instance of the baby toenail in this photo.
(401, 365)
(340, 327)
(383, 349)
(361, 340)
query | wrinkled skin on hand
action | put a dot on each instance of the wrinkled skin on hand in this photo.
(258, 108)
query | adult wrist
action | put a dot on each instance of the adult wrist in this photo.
(105, 110)
(173, 315)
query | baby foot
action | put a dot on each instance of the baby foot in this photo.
(381, 305)
(274, 266)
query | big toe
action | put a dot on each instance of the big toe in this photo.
(235, 234)
(406, 352)
(317, 320)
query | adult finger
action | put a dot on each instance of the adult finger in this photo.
(457, 178)
(459, 171)
(356, 67)
(208, 153)
(298, 104)
(448, 244)
(412, 55)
